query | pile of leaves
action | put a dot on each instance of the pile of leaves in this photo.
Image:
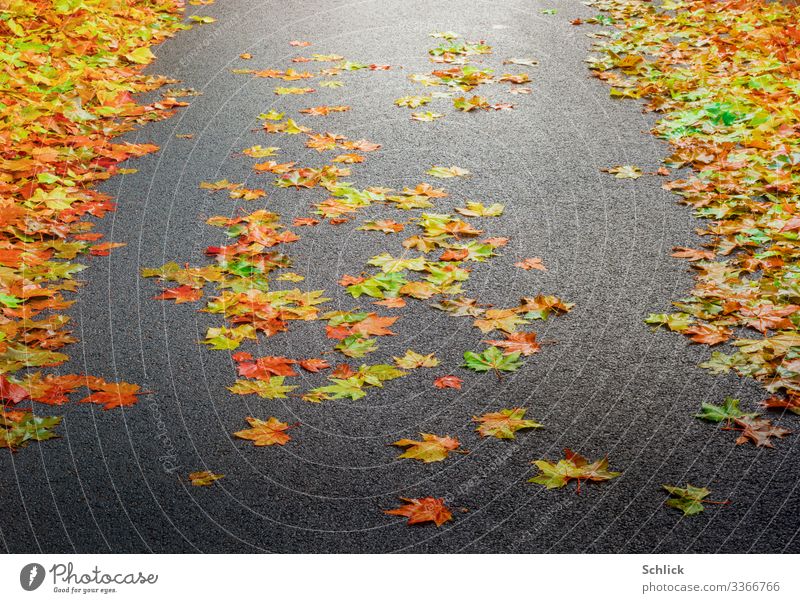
(70, 69)
(725, 79)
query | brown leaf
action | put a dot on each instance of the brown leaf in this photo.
(759, 431)
(531, 264)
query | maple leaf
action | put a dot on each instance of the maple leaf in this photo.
(412, 360)
(204, 478)
(443, 172)
(314, 365)
(258, 151)
(356, 346)
(425, 190)
(391, 302)
(527, 62)
(273, 167)
(283, 90)
(272, 115)
(426, 116)
(708, 334)
(728, 411)
(475, 209)
(758, 431)
(522, 343)
(690, 499)
(113, 395)
(270, 389)
(412, 102)
(430, 449)
(531, 264)
(506, 319)
(518, 78)
(267, 366)
(418, 290)
(454, 255)
(372, 324)
(572, 467)
(624, 171)
(299, 43)
(492, 359)
(448, 381)
(361, 145)
(265, 433)
(182, 294)
(679, 321)
(693, 255)
(460, 307)
(476, 102)
(504, 424)
(12, 392)
(766, 316)
(384, 226)
(324, 110)
(103, 248)
(218, 185)
(349, 158)
(18, 429)
(421, 510)
(247, 194)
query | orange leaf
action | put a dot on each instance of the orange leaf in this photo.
(421, 510)
(448, 381)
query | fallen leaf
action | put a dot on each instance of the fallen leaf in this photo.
(572, 467)
(504, 424)
(204, 478)
(448, 381)
(531, 264)
(265, 433)
(430, 449)
(451, 172)
(421, 510)
(624, 171)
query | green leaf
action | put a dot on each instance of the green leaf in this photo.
(492, 359)
(727, 412)
(342, 388)
(28, 428)
(688, 499)
(10, 301)
(679, 321)
(355, 346)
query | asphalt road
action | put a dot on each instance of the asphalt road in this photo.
(115, 481)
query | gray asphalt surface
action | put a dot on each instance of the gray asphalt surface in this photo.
(608, 384)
